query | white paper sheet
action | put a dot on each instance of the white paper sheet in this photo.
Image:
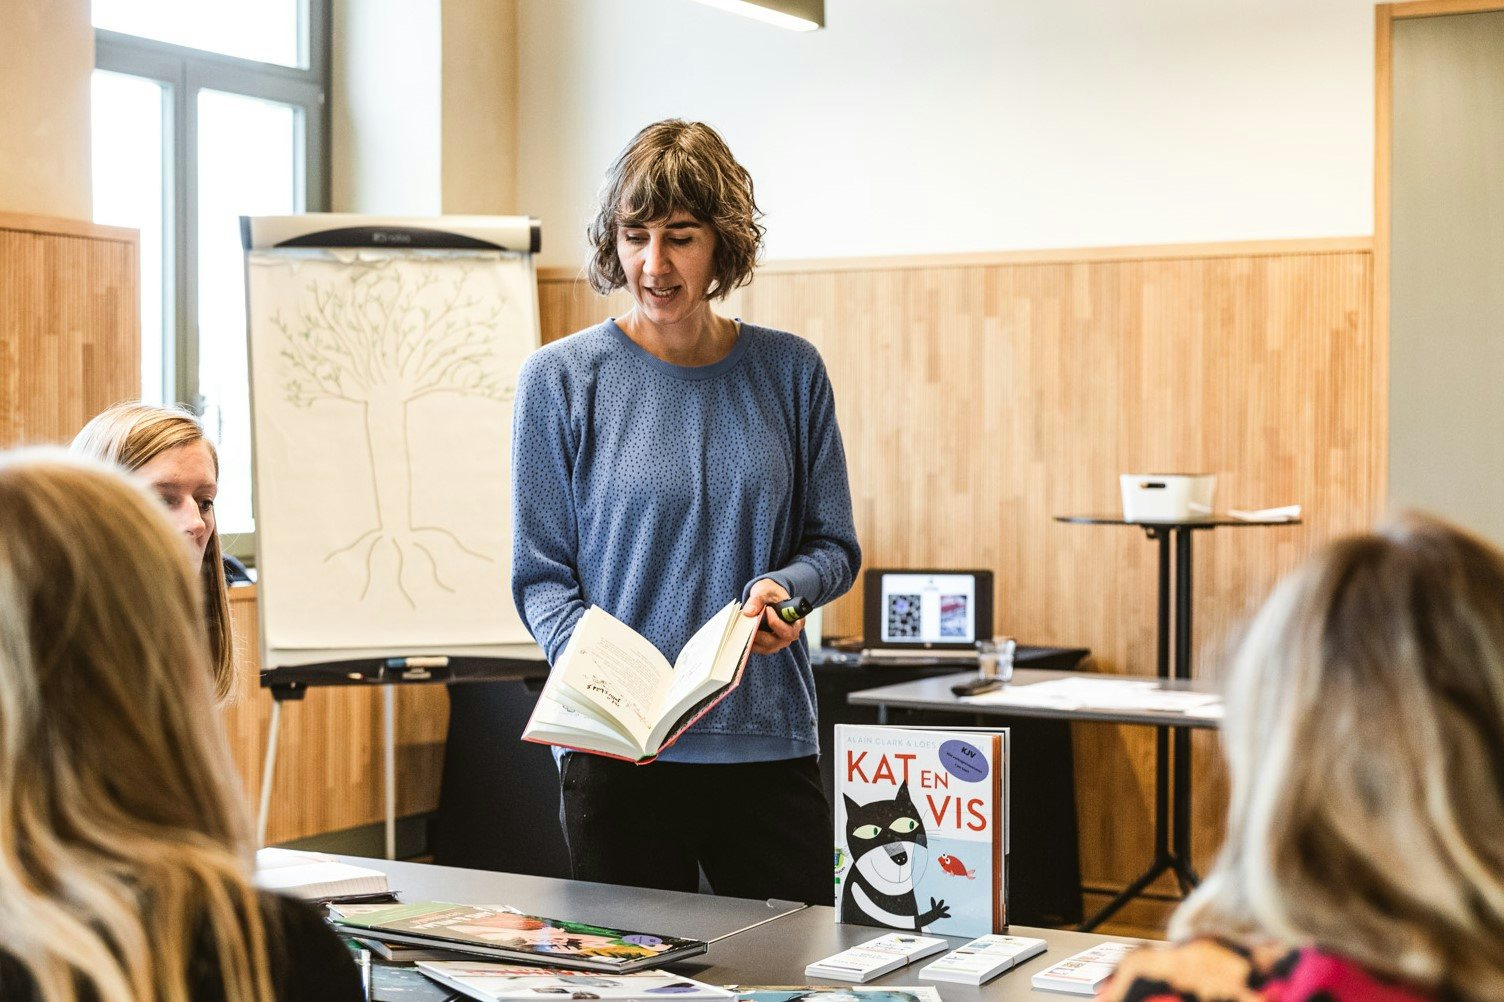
(382, 386)
(1100, 693)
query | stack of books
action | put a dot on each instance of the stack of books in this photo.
(504, 934)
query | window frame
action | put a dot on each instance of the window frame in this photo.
(183, 72)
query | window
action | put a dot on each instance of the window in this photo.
(204, 112)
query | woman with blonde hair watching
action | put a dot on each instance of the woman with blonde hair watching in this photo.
(167, 450)
(1365, 738)
(125, 851)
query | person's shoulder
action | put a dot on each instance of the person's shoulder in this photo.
(1205, 969)
(1195, 970)
(594, 342)
(784, 346)
(308, 960)
(582, 351)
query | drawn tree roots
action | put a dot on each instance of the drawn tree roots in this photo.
(418, 551)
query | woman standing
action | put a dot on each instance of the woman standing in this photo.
(665, 462)
(126, 870)
(166, 450)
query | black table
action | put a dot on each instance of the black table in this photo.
(1172, 837)
(291, 682)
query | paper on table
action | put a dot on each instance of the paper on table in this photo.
(1282, 514)
(1098, 693)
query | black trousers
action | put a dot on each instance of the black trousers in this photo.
(758, 829)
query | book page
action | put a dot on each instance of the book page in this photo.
(559, 723)
(696, 681)
(615, 669)
(696, 660)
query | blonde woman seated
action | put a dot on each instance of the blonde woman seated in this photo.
(1365, 738)
(167, 450)
(125, 874)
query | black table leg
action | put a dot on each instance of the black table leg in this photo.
(1181, 851)
(1172, 832)
(1164, 835)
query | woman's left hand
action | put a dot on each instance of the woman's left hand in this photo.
(774, 634)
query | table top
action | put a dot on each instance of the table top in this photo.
(751, 942)
(639, 909)
(1204, 522)
(777, 953)
(934, 694)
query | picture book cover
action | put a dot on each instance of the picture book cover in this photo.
(835, 993)
(921, 828)
(504, 934)
(496, 982)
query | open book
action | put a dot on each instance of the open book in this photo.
(613, 693)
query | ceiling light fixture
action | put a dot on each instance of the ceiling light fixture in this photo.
(796, 15)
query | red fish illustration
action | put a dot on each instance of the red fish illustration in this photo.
(955, 867)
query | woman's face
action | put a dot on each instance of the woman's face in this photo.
(669, 267)
(183, 478)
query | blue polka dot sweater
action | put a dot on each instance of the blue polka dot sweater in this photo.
(660, 492)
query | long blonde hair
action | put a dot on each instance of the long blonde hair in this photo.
(124, 844)
(1365, 738)
(132, 435)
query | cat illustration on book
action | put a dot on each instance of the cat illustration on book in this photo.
(882, 838)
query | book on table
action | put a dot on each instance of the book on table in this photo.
(401, 953)
(315, 876)
(613, 693)
(983, 959)
(843, 993)
(503, 934)
(493, 982)
(921, 828)
(875, 957)
(1083, 973)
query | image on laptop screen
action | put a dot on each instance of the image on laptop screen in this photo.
(927, 609)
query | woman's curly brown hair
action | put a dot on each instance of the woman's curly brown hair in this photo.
(673, 166)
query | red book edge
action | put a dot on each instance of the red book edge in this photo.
(999, 837)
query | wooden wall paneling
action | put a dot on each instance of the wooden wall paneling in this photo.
(70, 341)
(329, 764)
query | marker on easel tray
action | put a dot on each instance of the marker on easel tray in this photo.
(417, 666)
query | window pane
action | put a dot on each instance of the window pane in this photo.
(266, 30)
(247, 166)
(130, 190)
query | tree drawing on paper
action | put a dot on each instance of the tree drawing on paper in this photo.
(381, 342)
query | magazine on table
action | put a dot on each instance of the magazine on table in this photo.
(494, 982)
(500, 933)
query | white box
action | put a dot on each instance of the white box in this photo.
(1167, 497)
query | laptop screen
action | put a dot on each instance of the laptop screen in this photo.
(907, 609)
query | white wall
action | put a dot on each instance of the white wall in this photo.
(385, 101)
(911, 126)
(46, 62)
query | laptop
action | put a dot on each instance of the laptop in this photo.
(937, 615)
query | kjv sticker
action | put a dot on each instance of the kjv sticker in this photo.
(964, 761)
